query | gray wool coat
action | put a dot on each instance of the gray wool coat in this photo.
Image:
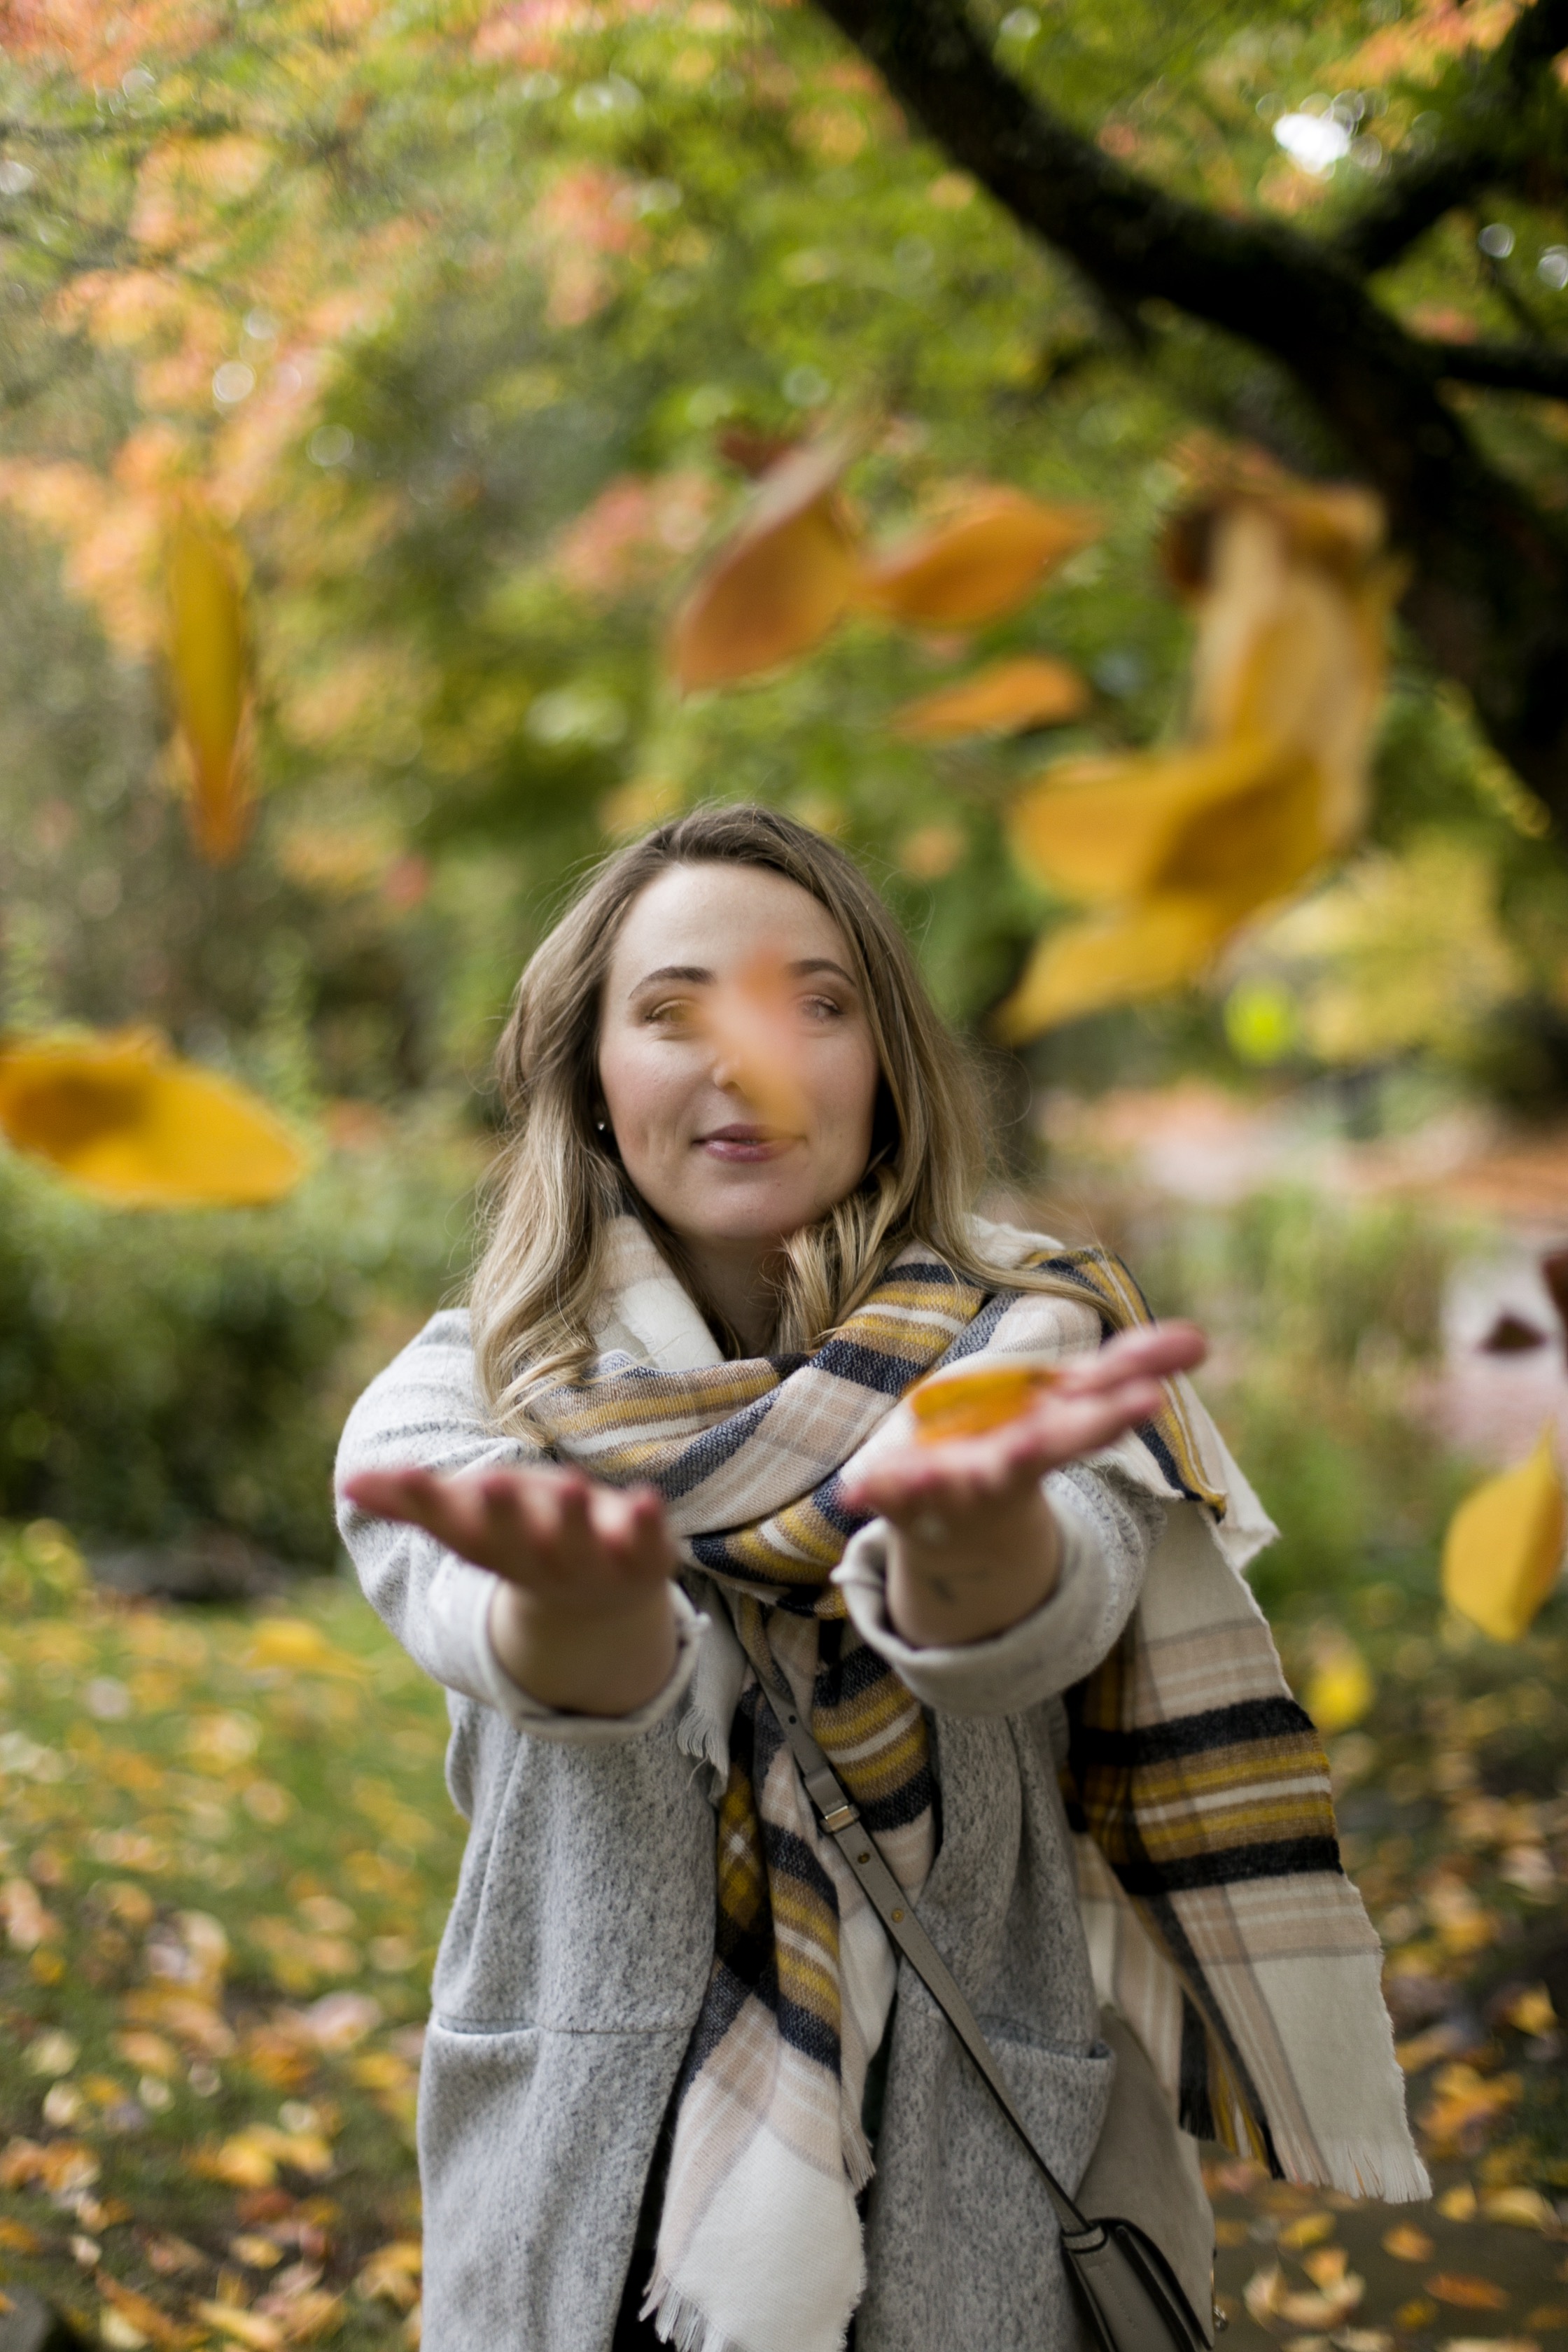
(573, 1963)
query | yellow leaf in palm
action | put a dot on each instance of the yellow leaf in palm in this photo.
(1002, 698)
(983, 560)
(1132, 950)
(1504, 1546)
(125, 1120)
(780, 582)
(971, 1399)
(209, 668)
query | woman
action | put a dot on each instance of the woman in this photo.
(660, 1477)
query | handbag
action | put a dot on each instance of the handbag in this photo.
(1129, 2292)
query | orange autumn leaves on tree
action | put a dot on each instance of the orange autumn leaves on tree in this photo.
(127, 1122)
(1173, 849)
(797, 565)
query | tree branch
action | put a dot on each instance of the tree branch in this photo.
(1490, 148)
(1506, 367)
(1490, 591)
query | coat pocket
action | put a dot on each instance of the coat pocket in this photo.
(1063, 2095)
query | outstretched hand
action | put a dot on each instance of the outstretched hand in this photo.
(976, 1545)
(584, 1621)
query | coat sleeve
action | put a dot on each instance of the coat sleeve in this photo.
(422, 1412)
(1108, 1528)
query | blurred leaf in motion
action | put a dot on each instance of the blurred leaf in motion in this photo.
(754, 1026)
(1134, 950)
(1005, 698)
(1504, 1546)
(779, 584)
(209, 669)
(125, 1121)
(1292, 592)
(984, 560)
(1341, 1690)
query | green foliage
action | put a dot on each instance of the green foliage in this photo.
(1322, 1317)
(160, 1374)
(493, 280)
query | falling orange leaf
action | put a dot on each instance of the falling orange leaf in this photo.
(1003, 698)
(750, 1022)
(209, 669)
(972, 1399)
(779, 584)
(1504, 1546)
(123, 1120)
(981, 563)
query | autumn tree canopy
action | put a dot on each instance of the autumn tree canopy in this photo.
(452, 334)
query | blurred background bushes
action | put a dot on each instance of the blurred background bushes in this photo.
(164, 1375)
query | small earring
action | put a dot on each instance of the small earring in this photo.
(602, 1126)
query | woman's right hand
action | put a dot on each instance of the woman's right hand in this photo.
(583, 1619)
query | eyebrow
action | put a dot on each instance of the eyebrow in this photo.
(700, 976)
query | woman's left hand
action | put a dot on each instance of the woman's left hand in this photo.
(975, 1546)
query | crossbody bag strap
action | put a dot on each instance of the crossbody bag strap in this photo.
(840, 1817)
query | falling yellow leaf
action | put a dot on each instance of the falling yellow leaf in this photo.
(972, 1399)
(1341, 1689)
(1239, 816)
(123, 1120)
(1003, 698)
(209, 668)
(982, 561)
(1293, 596)
(1293, 599)
(779, 584)
(1134, 950)
(1504, 1546)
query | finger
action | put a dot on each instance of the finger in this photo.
(417, 1499)
(1153, 1352)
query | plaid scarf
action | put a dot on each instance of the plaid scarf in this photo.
(1210, 1875)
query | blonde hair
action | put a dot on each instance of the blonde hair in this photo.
(558, 1184)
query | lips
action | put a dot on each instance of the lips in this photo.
(741, 1143)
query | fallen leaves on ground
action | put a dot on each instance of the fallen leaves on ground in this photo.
(222, 2157)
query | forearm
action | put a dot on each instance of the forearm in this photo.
(580, 1662)
(943, 1594)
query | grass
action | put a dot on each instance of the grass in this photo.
(228, 1854)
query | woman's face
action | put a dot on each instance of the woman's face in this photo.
(712, 1163)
